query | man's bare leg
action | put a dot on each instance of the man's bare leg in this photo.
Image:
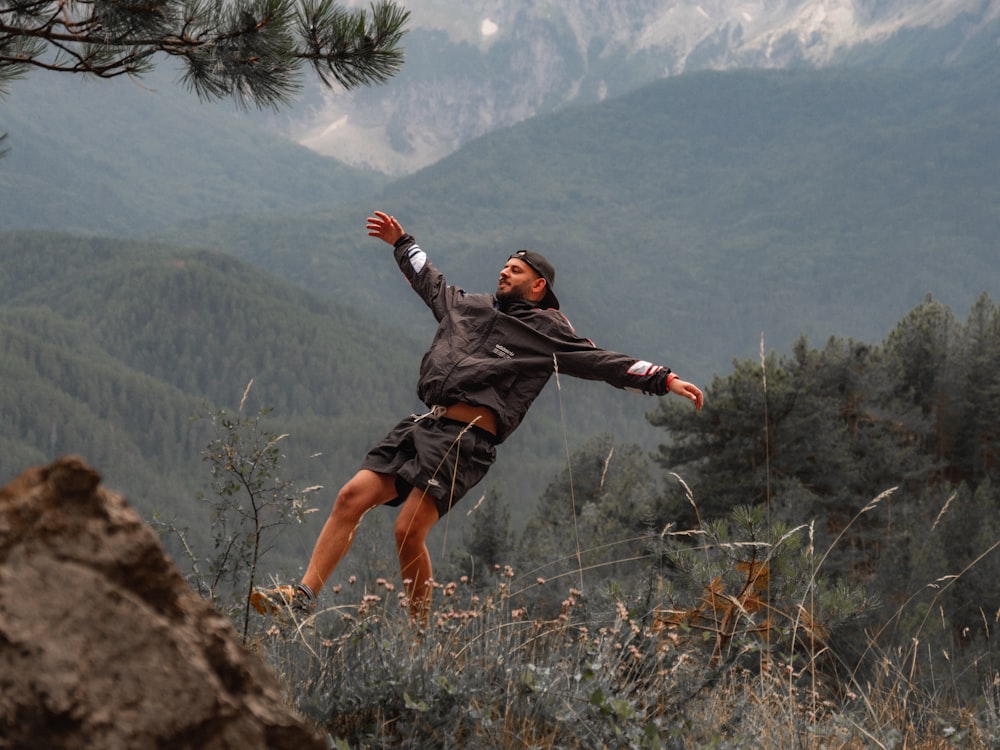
(416, 518)
(364, 491)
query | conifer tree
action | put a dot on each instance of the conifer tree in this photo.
(251, 51)
(978, 415)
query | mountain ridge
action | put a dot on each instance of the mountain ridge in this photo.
(473, 68)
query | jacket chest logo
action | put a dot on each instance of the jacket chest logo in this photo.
(502, 351)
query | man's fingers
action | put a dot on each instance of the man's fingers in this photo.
(377, 224)
(692, 392)
(697, 397)
(381, 221)
(384, 226)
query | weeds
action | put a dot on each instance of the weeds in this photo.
(250, 501)
(485, 672)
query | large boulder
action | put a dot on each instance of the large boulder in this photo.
(103, 644)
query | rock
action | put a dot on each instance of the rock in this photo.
(102, 642)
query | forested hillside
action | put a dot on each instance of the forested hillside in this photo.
(111, 348)
(120, 157)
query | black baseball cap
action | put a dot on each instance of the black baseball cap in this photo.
(544, 269)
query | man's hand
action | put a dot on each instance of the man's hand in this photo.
(384, 227)
(687, 390)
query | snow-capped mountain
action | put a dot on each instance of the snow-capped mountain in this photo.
(473, 67)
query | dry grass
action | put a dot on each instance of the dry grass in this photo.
(485, 673)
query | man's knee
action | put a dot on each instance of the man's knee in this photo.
(416, 518)
(410, 532)
(361, 493)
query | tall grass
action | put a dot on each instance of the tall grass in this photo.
(485, 672)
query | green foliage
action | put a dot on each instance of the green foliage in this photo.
(812, 432)
(249, 51)
(592, 524)
(759, 591)
(250, 501)
(806, 435)
(109, 348)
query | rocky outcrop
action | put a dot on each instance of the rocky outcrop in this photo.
(103, 644)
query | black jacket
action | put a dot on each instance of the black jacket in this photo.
(501, 356)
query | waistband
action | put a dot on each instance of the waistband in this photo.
(479, 417)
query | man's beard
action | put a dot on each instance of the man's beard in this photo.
(514, 293)
(511, 295)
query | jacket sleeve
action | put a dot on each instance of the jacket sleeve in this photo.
(425, 279)
(619, 370)
(579, 358)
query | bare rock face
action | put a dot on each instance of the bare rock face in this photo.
(103, 644)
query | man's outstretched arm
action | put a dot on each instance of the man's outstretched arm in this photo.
(580, 358)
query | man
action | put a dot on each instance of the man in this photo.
(491, 356)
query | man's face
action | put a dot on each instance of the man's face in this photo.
(517, 280)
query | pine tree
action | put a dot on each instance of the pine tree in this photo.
(593, 523)
(252, 51)
(979, 411)
(489, 542)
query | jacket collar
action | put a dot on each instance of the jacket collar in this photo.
(514, 306)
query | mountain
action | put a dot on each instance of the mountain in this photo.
(122, 157)
(475, 67)
(471, 68)
(686, 218)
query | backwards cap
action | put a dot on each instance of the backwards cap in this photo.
(544, 269)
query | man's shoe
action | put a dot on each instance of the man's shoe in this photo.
(280, 599)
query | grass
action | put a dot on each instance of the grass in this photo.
(485, 672)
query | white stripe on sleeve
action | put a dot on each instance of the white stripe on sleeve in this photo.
(417, 258)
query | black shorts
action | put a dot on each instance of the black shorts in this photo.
(446, 457)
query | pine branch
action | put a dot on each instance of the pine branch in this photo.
(250, 50)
